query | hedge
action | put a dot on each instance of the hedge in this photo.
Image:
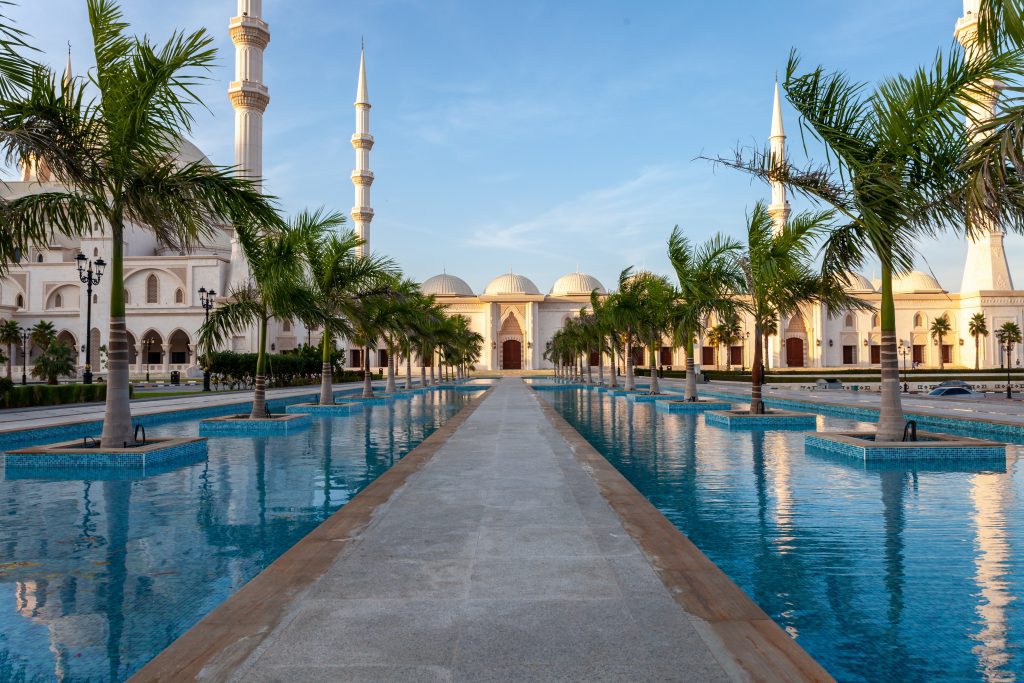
(283, 369)
(32, 395)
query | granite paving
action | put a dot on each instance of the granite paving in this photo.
(499, 560)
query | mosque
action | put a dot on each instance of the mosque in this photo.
(517, 320)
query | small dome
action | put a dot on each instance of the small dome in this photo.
(190, 154)
(857, 283)
(577, 284)
(511, 283)
(446, 285)
(915, 282)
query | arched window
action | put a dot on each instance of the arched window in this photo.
(58, 301)
(95, 298)
(127, 297)
(39, 258)
(95, 251)
(152, 289)
(849, 320)
(179, 296)
(19, 301)
(874, 321)
(287, 327)
(918, 320)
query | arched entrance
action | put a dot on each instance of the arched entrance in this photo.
(511, 355)
(794, 352)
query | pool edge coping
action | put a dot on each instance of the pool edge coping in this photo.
(215, 647)
(730, 622)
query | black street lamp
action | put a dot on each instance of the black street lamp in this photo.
(89, 278)
(1009, 353)
(148, 341)
(904, 351)
(24, 356)
(206, 299)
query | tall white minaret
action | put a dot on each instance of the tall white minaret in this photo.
(779, 208)
(249, 96)
(362, 176)
(986, 267)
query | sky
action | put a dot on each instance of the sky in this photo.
(542, 137)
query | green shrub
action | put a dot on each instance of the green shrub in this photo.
(298, 368)
(34, 395)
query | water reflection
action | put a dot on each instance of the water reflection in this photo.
(96, 577)
(883, 571)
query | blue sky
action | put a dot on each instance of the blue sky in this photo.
(538, 136)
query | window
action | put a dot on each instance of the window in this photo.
(58, 301)
(287, 326)
(849, 320)
(918, 320)
(95, 298)
(19, 301)
(39, 258)
(95, 251)
(874, 321)
(127, 297)
(179, 296)
(152, 289)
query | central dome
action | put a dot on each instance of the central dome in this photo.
(446, 285)
(577, 284)
(857, 283)
(915, 282)
(511, 283)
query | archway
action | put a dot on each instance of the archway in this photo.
(511, 354)
(152, 352)
(795, 352)
(179, 347)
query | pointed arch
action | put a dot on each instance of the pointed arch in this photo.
(152, 289)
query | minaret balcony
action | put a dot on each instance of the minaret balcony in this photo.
(248, 95)
(362, 141)
(362, 214)
(362, 177)
(249, 31)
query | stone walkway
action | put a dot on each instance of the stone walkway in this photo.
(499, 560)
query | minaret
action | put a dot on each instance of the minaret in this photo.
(779, 208)
(249, 96)
(986, 267)
(362, 176)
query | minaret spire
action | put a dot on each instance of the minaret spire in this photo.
(249, 97)
(986, 268)
(779, 208)
(362, 176)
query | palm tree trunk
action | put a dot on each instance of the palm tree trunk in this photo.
(691, 373)
(117, 413)
(423, 374)
(629, 365)
(10, 359)
(367, 378)
(326, 371)
(890, 414)
(942, 356)
(600, 365)
(614, 382)
(765, 357)
(389, 388)
(977, 356)
(408, 371)
(756, 375)
(655, 386)
(590, 371)
(259, 394)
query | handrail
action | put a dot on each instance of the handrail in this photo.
(87, 439)
(910, 427)
(266, 410)
(137, 428)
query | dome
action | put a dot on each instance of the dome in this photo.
(914, 282)
(577, 284)
(190, 154)
(446, 285)
(511, 283)
(857, 283)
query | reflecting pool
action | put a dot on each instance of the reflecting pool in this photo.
(882, 573)
(98, 575)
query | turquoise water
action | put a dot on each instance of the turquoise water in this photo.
(894, 573)
(98, 576)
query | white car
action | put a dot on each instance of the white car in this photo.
(954, 392)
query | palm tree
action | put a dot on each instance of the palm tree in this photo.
(10, 334)
(42, 334)
(939, 329)
(894, 171)
(708, 277)
(602, 329)
(1009, 335)
(655, 319)
(277, 288)
(402, 306)
(779, 277)
(976, 327)
(117, 157)
(625, 307)
(57, 360)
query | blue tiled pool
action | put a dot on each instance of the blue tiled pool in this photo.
(97, 575)
(883, 572)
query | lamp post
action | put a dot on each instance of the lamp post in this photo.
(89, 278)
(904, 351)
(206, 301)
(147, 342)
(1009, 352)
(24, 356)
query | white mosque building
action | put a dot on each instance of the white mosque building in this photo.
(515, 318)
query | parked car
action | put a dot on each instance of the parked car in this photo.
(955, 383)
(954, 392)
